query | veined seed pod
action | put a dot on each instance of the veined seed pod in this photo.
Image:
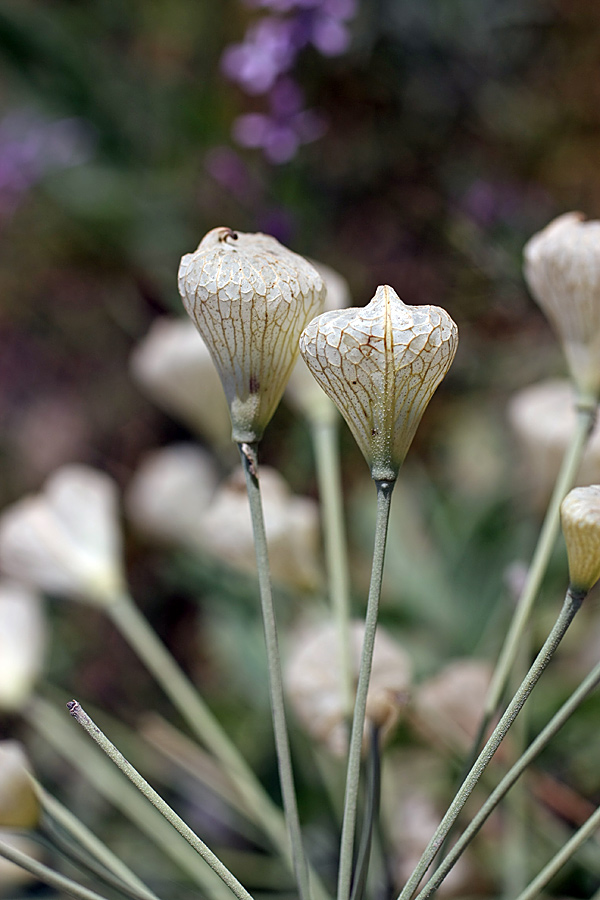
(250, 298)
(381, 364)
(580, 516)
(562, 269)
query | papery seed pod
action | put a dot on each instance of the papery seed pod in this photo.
(580, 517)
(176, 370)
(66, 540)
(171, 491)
(22, 642)
(381, 365)
(292, 525)
(250, 298)
(448, 707)
(543, 418)
(562, 269)
(19, 804)
(314, 684)
(303, 392)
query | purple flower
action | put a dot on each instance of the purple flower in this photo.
(267, 51)
(31, 146)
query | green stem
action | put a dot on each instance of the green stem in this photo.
(384, 499)
(55, 729)
(82, 836)
(326, 444)
(534, 749)
(47, 875)
(572, 602)
(586, 415)
(563, 856)
(184, 696)
(82, 718)
(248, 453)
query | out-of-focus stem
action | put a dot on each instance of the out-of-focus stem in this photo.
(81, 835)
(249, 456)
(56, 729)
(384, 499)
(586, 415)
(326, 444)
(47, 875)
(572, 602)
(564, 855)
(186, 699)
(82, 718)
(534, 749)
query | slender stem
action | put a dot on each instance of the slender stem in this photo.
(325, 440)
(384, 499)
(82, 718)
(56, 731)
(534, 749)
(564, 855)
(81, 835)
(586, 415)
(572, 602)
(248, 453)
(184, 696)
(47, 875)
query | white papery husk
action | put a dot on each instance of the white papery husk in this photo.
(314, 684)
(250, 298)
(170, 493)
(543, 419)
(175, 368)
(380, 365)
(580, 518)
(22, 642)
(66, 540)
(562, 268)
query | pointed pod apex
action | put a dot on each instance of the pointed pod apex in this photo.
(562, 269)
(250, 298)
(381, 364)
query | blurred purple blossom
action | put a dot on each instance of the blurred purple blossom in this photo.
(32, 146)
(284, 128)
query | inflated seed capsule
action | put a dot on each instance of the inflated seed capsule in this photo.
(580, 516)
(250, 298)
(381, 364)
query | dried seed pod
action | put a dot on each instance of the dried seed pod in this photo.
(66, 540)
(381, 364)
(176, 370)
(580, 516)
(22, 642)
(250, 298)
(562, 269)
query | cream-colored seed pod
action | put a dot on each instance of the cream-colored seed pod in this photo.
(303, 392)
(543, 418)
(250, 298)
(66, 540)
(19, 804)
(170, 492)
(580, 516)
(22, 642)
(381, 365)
(562, 269)
(292, 526)
(315, 690)
(448, 707)
(176, 370)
